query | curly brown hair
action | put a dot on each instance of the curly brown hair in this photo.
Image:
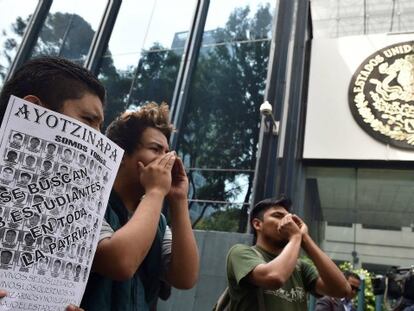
(126, 130)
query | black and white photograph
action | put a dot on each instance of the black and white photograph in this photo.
(68, 271)
(82, 253)
(10, 238)
(46, 241)
(82, 160)
(16, 140)
(85, 274)
(11, 157)
(29, 242)
(6, 259)
(7, 175)
(33, 145)
(78, 270)
(73, 251)
(50, 150)
(24, 178)
(46, 168)
(29, 162)
(56, 268)
(67, 155)
(43, 265)
(91, 167)
(63, 169)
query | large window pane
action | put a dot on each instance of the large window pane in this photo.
(144, 53)
(13, 22)
(206, 185)
(69, 29)
(363, 215)
(337, 18)
(220, 128)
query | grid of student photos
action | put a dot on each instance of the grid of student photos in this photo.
(29, 159)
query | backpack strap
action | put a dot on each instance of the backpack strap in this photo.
(223, 302)
(260, 292)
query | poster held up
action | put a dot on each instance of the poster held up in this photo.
(56, 175)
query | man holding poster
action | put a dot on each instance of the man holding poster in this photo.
(71, 90)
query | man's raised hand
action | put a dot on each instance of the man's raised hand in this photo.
(288, 227)
(303, 227)
(179, 184)
(156, 176)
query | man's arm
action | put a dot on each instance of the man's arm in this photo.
(119, 256)
(183, 269)
(331, 280)
(276, 272)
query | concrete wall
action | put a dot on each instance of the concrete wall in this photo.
(213, 247)
(372, 246)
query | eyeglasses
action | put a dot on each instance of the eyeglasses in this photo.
(355, 288)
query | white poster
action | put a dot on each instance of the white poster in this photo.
(56, 175)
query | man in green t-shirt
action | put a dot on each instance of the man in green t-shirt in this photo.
(278, 275)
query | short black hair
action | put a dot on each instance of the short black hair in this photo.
(261, 207)
(53, 80)
(258, 210)
(349, 274)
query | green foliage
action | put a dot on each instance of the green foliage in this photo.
(11, 43)
(220, 127)
(221, 220)
(66, 35)
(221, 122)
(366, 276)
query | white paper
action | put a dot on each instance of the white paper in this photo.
(56, 175)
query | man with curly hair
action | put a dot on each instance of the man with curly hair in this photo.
(140, 251)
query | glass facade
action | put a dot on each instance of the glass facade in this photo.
(363, 215)
(362, 212)
(69, 29)
(358, 211)
(143, 67)
(13, 24)
(220, 129)
(338, 18)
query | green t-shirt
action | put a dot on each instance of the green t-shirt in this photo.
(241, 260)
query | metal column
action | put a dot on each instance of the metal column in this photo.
(30, 36)
(187, 67)
(102, 35)
(264, 184)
